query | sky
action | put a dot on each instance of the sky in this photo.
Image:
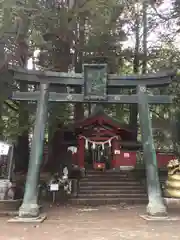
(153, 36)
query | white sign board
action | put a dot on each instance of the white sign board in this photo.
(126, 155)
(4, 148)
(72, 149)
(54, 187)
(117, 152)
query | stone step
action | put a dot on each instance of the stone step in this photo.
(108, 180)
(110, 175)
(108, 172)
(111, 191)
(107, 195)
(109, 187)
(109, 183)
(112, 201)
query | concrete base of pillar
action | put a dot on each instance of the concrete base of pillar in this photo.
(38, 219)
(29, 210)
(153, 218)
(156, 209)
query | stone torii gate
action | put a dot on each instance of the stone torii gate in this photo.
(96, 87)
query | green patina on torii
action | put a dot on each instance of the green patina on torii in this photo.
(100, 93)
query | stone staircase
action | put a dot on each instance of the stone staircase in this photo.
(99, 188)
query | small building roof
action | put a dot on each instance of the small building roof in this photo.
(99, 116)
(98, 112)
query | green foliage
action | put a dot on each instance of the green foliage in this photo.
(94, 30)
(10, 124)
(58, 114)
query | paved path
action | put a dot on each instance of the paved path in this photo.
(102, 223)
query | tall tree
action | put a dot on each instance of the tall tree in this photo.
(136, 66)
(145, 35)
(22, 23)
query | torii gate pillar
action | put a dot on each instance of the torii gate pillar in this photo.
(30, 207)
(155, 206)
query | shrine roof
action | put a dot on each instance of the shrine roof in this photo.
(98, 112)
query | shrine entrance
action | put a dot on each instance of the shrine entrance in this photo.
(101, 158)
(98, 156)
(96, 87)
(99, 140)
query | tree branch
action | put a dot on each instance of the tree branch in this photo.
(157, 114)
(158, 13)
(10, 106)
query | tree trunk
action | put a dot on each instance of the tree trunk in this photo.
(79, 107)
(61, 61)
(144, 62)
(2, 62)
(1, 121)
(22, 149)
(134, 107)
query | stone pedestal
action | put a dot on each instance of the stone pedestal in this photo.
(157, 213)
(156, 209)
(5, 190)
(29, 210)
(173, 203)
(38, 219)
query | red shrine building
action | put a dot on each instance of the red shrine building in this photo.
(104, 143)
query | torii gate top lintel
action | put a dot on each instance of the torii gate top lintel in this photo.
(95, 83)
(76, 79)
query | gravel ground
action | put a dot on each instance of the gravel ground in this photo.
(101, 223)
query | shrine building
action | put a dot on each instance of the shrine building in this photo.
(104, 143)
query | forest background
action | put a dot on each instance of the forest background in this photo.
(131, 36)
